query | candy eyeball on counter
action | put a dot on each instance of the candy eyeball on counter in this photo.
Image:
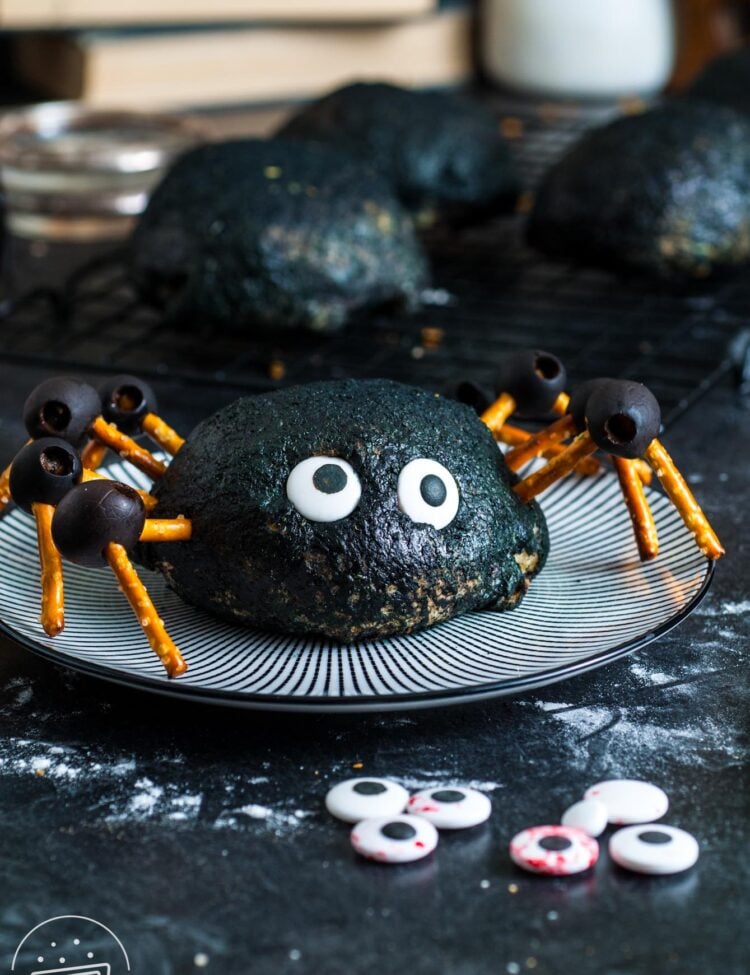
(324, 488)
(428, 493)
(629, 801)
(590, 815)
(654, 849)
(451, 807)
(366, 798)
(394, 839)
(558, 851)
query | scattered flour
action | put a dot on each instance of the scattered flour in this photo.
(726, 609)
(650, 676)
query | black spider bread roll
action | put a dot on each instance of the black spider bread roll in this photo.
(388, 510)
(286, 234)
(725, 81)
(442, 151)
(666, 192)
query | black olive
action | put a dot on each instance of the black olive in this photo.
(533, 378)
(623, 417)
(94, 514)
(125, 400)
(579, 400)
(44, 471)
(470, 393)
(61, 407)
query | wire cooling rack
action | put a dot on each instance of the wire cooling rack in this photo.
(491, 294)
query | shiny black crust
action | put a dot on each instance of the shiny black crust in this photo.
(618, 398)
(275, 233)
(93, 514)
(440, 150)
(31, 480)
(254, 559)
(725, 81)
(666, 192)
(79, 399)
(129, 421)
(522, 374)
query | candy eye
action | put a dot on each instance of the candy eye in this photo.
(555, 850)
(630, 800)
(323, 488)
(428, 493)
(451, 807)
(653, 849)
(394, 839)
(358, 799)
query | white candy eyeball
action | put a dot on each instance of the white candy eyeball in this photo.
(358, 799)
(630, 800)
(653, 849)
(555, 850)
(590, 815)
(324, 488)
(394, 839)
(451, 807)
(428, 493)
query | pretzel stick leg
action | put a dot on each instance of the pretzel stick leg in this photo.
(53, 606)
(560, 406)
(127, 448)
(5, 497)
(167, 530)
(498, 412)
(149, 501)
(92, 455)
(145, 610)
(558, 467)
(553, 435)
(162, 434)
(641, 516)
(516, 436)
(682, 498)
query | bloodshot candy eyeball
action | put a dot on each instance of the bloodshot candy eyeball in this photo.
(630, 800)
(358, 799)
(558, 851)
(654, 849)
(451, 807)
(394, 839)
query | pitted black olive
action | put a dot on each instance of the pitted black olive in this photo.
(623, 417)
(470, 393)
(94, 514)
(579, 398)
(533, 378)
(61, 407)
(43, 472)
(125, 400)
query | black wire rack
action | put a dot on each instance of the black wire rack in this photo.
(491, 294)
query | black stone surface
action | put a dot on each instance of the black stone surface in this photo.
(199, 834)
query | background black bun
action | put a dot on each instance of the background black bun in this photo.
(255, 559)
(725, 81)
(279, 233)
(440, 150)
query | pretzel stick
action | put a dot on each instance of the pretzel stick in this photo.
(682, 498)
(558, 467)
(550, 436)
(638, 507)
(167, 530)
(149, 501)
(5, 497)
(127, 448)
(560, 406)
(145, 610)
(53, 606)
(92, 455)
(161, 433)
(498, 412)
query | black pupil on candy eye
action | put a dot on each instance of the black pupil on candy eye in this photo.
(654, 836)
(554, 843)
(398, 831)
(432, 490)
(369, 788)
(55, 416)
(448, 795)
(329, 479)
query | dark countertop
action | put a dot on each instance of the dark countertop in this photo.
(198, 833)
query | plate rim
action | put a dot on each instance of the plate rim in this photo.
(402, 701)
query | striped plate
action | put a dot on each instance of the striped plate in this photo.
(594, 602)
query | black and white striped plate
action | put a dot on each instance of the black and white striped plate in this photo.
(593, 602)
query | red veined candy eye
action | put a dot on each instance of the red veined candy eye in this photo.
(555, 850)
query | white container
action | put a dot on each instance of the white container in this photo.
(579, 48)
